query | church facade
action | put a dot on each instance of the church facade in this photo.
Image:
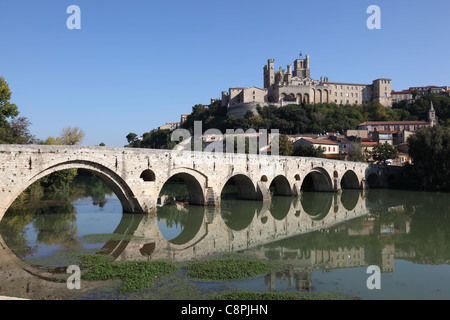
(294, 85)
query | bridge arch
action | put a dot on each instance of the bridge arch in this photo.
(114, 181)
(195, 182)
(244, 186)
(280, 186)
(350, 180)
(317, 179)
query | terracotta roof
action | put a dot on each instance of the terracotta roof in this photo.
(369, 143)
(321, 141)
(401, 92)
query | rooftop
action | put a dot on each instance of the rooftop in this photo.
(368, 123)
(321, 141)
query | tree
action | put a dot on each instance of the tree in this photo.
(12, 130)
(156, 139)
(285, 146)
(60, 180)
(304, 151)
(383, 152)
(430, 151)
(131, 137)
(355, 152)
(71, 136)
(7, 109)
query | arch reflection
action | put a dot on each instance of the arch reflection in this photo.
(317, 205)
(349, 198)
(188, 218)
(280, 207)
(238, 215)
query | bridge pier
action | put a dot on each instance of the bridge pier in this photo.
(262, 192)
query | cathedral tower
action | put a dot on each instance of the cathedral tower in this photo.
(301, 68)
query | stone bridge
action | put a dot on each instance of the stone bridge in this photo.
(138, 175)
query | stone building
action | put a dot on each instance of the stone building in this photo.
(295, 86)
(330, 148)
(414, 92)
(169, 126)
(396, 132)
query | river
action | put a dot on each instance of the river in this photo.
(326, 242)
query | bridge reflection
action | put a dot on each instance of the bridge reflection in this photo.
(255, 227)
(241, 225)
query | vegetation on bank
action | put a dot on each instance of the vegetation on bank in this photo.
(227, 269)
(136, 276)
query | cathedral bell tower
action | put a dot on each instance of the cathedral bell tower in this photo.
(432, 116)
(301, 68)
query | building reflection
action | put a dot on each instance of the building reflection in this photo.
(301, 263)
(317, 232)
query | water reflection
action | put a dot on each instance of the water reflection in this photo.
(317, 204)
(190, 218)
(317, 232)
(238, 214)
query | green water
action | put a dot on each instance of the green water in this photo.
(324, 241)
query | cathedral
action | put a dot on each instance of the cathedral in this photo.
(295, 86)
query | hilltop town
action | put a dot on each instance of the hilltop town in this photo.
(294, 86)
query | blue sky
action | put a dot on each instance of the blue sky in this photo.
(136, 64)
